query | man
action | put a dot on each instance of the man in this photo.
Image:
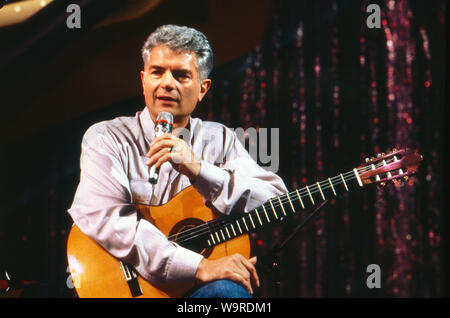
(115, 161)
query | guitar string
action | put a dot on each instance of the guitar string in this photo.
(221, 224)
(212, 226)
(215, 226)
(212, 223)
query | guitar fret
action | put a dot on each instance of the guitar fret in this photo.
(312, 200)
(265, 212)
(345, 184)
(357, 177)
(300, 198)
(245, 223)
(281, 204)
(212, 238)
(232, 228)
(237, 222)
(217, 236)
(228, 233)
(290, 202)
(251, 220)
(321, 193)
(257, 214)
(273, 210)
(209, 242)
(223, 236)
(332, 186)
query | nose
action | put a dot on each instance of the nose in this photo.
(168, 81)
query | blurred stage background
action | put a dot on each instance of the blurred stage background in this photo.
(338, 90)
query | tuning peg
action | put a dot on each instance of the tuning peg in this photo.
(367, 159)
(383, 184)
(378, 155)
(405, 178)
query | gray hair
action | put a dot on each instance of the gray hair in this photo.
(181, 38)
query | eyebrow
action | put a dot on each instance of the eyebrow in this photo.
(183, 70)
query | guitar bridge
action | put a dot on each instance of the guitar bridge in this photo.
(131, 277)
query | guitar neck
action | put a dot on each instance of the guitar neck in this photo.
(280, 207)
(396, 166)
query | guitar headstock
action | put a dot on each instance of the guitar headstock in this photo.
(395, 166)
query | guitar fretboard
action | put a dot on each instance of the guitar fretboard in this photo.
(223, 229)
(282, 206)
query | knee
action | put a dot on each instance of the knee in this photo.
(230, 289)
(222, 289)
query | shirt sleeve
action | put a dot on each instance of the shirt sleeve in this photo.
(238, 183)
(102, 209)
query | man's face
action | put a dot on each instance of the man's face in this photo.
(170, 83)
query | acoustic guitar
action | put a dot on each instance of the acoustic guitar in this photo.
(186, 220)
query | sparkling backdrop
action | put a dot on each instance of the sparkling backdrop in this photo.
(339, 92)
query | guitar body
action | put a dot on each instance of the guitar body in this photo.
(96, 273)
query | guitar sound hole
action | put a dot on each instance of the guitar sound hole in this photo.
(191, 233)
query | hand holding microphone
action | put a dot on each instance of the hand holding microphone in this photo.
(163, 124)
(167, 147)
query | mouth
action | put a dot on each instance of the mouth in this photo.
(167, 99)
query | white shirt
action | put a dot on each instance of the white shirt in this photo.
(114, 177)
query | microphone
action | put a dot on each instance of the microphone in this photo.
(163, 124)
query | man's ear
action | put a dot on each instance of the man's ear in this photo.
(142, 77)
(143, 74)
(204, 88)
